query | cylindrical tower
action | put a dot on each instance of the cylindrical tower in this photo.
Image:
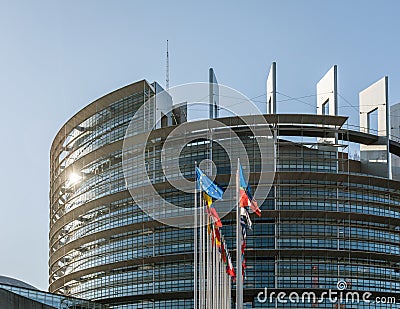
(324, 220)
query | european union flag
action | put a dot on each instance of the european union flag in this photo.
(208, 186)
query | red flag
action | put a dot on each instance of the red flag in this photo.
(223, 252)
(213, 213)
(251, 202)
(244, 199)
(229, 268)
(244, 267)
(254, 207)
(231, 272)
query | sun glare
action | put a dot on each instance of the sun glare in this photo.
(73, 179)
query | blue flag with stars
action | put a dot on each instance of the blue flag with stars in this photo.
(208, 186)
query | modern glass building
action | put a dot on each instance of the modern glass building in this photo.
(331, 216)
(17, 294)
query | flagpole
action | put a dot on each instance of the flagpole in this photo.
(210, 266)
(225, 286)
(209, 280)
(239, 277)
(221, 280)
(210, 171)
(202, 254)
(220, 294)
(223, 298)
(213, 271)
(204, 257)
(195, 291)
(230, 292)
(226, 277)
(218, 284)
(225, 291)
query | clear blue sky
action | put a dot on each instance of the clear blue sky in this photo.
(58, 56)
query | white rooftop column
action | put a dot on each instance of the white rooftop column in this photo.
(327, 93)
(271, 90)
(327, 102)
(374, 119)
(162, 106)
(395, 135)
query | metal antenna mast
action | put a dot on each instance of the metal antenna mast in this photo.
(167, 71)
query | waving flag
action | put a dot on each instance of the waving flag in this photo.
(208, 186)
(229, 268)
(246, 199)
(211, 210)
(213, 213)
(244, 267)
(223, 250)
(207, 199)
(244, 233)
(245, 214)
(243, 246)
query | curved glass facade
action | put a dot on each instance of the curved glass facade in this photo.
(324, 221)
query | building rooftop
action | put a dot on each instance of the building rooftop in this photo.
(16, 282)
